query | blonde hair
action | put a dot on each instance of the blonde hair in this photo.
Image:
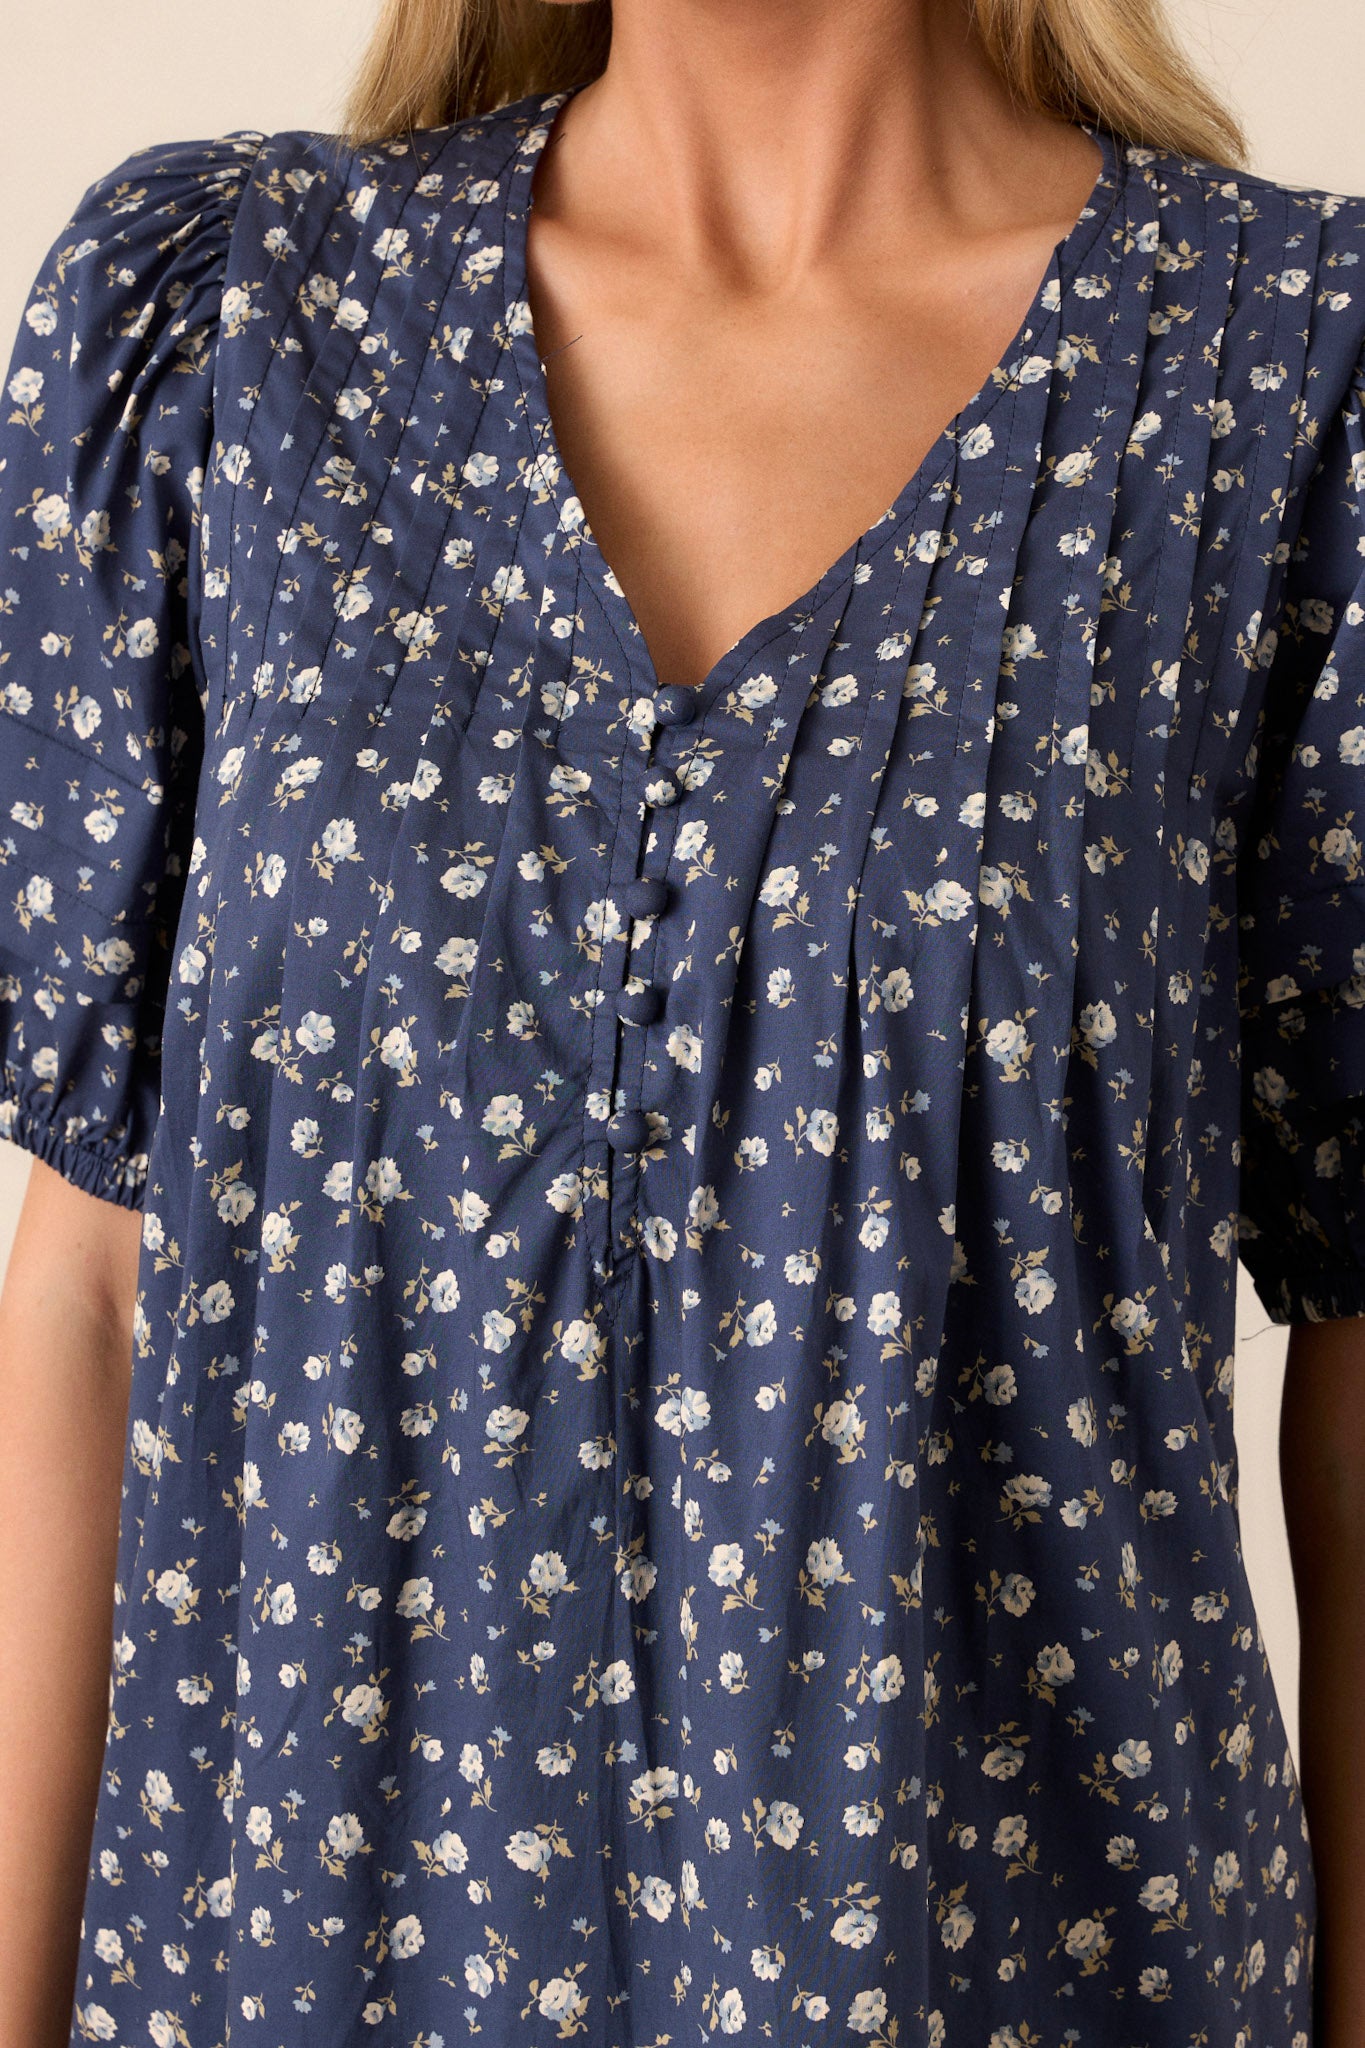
(1115, 62)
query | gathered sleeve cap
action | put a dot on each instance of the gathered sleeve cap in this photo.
(105, 432)
(1302, 912)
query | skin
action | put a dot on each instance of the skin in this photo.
(1322, 1476)
(66, 1347)
(775, 248)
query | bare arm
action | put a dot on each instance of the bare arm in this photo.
(1322, 1471)
(66, 1321)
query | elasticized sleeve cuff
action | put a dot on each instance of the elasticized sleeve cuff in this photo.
(1305, 1296)
(99, 1170)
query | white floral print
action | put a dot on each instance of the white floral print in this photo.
(680, 1475)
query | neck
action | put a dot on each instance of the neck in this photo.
(762, 134)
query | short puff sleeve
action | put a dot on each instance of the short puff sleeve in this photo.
(105, 431)
(1301, 896)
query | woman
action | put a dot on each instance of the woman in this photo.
(695, 1053)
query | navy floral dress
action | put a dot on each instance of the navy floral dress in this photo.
(680, 1477)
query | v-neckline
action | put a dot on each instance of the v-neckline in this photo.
(935, 468)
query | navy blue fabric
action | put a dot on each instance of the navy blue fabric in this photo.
(680, 1475)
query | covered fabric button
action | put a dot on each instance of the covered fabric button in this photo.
(628, 1130)
(675, 704)
(644, 897)
(639, 1005)
(662, 789)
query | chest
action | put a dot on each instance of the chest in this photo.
(393, 514)
(727, 448)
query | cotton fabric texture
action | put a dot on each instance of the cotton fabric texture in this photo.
(680, 1476)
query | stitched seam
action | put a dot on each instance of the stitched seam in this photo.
(1257, 467)
(1073, 627)
(50, 736)
(273, 358)
(970, 638)
(1168, 524)
(315, 387)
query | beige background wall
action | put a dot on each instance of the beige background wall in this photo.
(86, 84)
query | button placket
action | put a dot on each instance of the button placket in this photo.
(639, 1002)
